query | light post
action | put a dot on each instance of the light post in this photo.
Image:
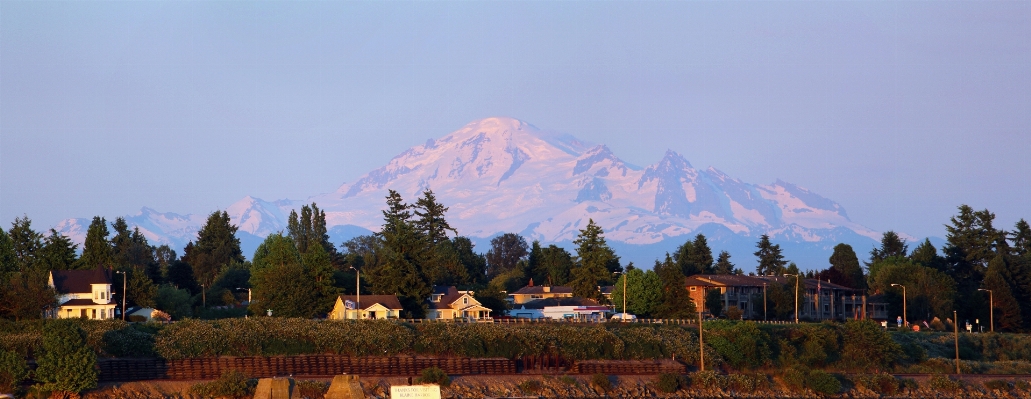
(905, 318)
(796, 294)
(622, 317)
(764, 301)
(955, 326)
(204, 296)
(248, 300)
(358, 292)
(991, 307)
(124, 277)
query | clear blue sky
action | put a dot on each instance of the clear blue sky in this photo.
(900, 111)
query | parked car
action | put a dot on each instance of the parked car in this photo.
(620, 316)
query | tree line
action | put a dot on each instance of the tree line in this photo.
(299, 272)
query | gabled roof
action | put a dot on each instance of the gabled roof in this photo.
(449, 294)
(542, 303)
(539, 289)
(78, 281)
(387, 301)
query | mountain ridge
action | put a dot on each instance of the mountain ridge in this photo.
(505, 175)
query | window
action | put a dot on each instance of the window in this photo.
(103, 295)
(693, 288)
(465, 301)
(103, 313)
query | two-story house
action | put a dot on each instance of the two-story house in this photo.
(448, 303)
(532, 293)
(83, 293)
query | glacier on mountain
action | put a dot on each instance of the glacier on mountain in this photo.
(502, 175)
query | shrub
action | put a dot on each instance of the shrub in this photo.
(311, 389)
(568, 380)
(748, 382)
(232, 384)
(1023, 385)
(740, 344)
(668, 382)
(434, 375)
(67, 364)
(530, 386)
(867, 347)
(908, 383)
(794, 378)
(601, 381)
(822, 382)
(998, 385)
(13, 371)
(881, 383)
(708, 379)
(940, 382)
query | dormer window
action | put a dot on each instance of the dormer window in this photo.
(103, 295)
(435, 297)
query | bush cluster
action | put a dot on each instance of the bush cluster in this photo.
(311, 389)
(601, 382)
(13, 371)
(231, 384)
(669, 382)
(434, 375)
(880, 383)
(800, 378)
(942, 383)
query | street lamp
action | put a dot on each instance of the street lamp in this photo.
(991, 304)
(248, 299)
(358, 292)
(625, 277)
(905, 318)
(124, 277)
(797, 277)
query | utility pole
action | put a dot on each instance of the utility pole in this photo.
(955, 325)
(358, 292)
(991, 307)
(701, 344)
(124, 277)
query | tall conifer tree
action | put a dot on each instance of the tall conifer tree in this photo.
(96, 250)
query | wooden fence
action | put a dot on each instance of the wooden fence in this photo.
(394, 366)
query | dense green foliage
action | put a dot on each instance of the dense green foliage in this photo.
(595, 263)
(231, 384)
(66, 364)
(434, 375)
(13, 370)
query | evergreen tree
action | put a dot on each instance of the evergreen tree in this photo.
(403, 251)
(771, 262)
(971, 244)
(891, 246)
(675, 301)
(926, 254)
(58, 252)
(594, 262)
(180, 276)
(27, 242)
(430, 222)
(1008, 313)
(1021, 238)
(694, 257)
(164, 256)
(445, 266)
(96, 251)
(505, 252)
(318, 268)
(845, 262)
(216, 248)
(556, 264)
(475, 264)
(723, 265)
(140, 288)
(67, 363)
(8, 259)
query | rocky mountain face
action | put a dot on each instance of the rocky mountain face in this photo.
(502, 175)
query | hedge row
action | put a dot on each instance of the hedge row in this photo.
(852, 346)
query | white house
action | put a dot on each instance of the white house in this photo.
(83, 293)
(448, 303)
(370, 307)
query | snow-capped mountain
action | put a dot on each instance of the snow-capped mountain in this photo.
(502, 175)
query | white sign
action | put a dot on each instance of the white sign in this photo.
(350, 305)
(415, 391)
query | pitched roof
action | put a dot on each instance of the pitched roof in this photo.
(84, 302)
(75, 281)
(388, 301)
(539, 289)
(449, 294)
